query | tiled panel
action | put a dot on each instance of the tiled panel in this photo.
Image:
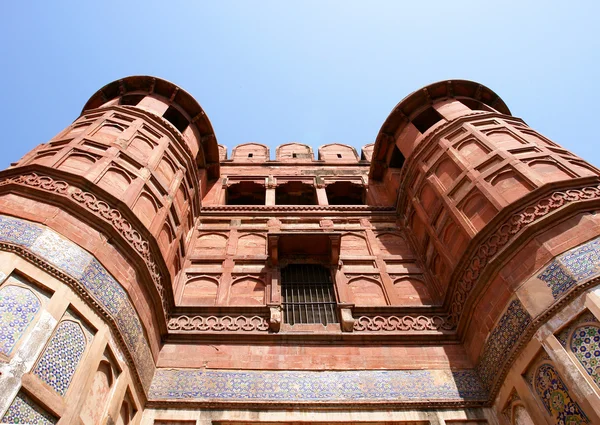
(555, 397)
(18, 231)
(397, 385)
(585, 344)
(59, 361)
(23, 410)
(18, 307)
(557, 278)
(565, 333)
(65, 254)
(502, 340)
(103, 286)
(78, 263)
(572, 267)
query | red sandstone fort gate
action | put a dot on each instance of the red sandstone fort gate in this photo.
(446, 274)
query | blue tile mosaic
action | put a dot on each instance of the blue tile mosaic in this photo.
(18, 231)
(572, 267)
(585, 344)
(397, 385)
(501, 341)
(23, 410)
(82, 266)
(18, 307)
(583, 261)
(59, 360)
(557, 278)
(564, 334)
(64, 254)
(103, 286)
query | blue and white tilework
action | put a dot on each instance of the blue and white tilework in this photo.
(102, 286)
(18, 307)
(18, 231)
(23, 410)
(501, 341)
(61, 357)
(79, 264)
(65, 254)
(327, 386)
(572, 267)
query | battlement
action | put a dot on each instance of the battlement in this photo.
(296, 153)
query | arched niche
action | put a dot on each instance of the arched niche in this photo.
(247, 290)
(392, 244)
(353, 244)
(210, 244)
(251, 244)
(200, 290)
(366, 291)
(412, 291)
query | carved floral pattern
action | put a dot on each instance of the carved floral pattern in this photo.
(106, 212)
(505, 234)
(395, 323)
(215, 323)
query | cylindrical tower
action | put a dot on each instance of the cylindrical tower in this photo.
(108, 206)
(505, 220)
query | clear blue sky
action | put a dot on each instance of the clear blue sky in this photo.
(310, 71)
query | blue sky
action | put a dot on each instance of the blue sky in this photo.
(313, 71)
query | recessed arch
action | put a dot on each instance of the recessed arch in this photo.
(247, 290)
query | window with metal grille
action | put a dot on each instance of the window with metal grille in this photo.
(308, 295)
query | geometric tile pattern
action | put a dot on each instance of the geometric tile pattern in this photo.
(585, 344)
(555, 397)
(564, 334)
(23, 410)
(557, 278)
(96, 278)
(293, 386)
(570, 268)
(18, 307)
(79, 264)
(59, 361)
(501, 341)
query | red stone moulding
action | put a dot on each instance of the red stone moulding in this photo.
(103, 210)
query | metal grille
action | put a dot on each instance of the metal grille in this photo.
(308, 295)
